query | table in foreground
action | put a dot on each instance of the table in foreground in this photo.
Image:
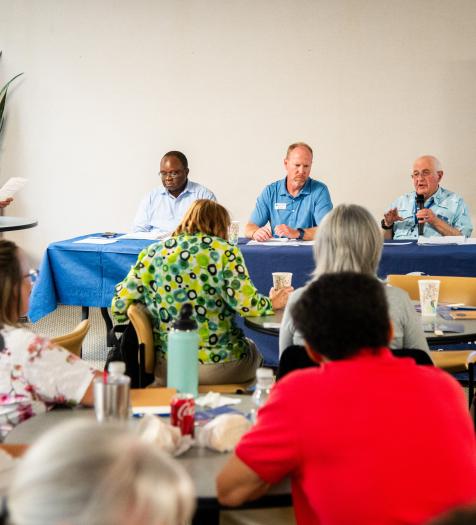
(202, 464)
(16, 223)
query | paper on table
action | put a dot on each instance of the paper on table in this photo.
(95, 240)
(10, 187)
(271, 325)
(275, 242)
(152, 235)
(397, 243)
(448, 239)
(153, 410)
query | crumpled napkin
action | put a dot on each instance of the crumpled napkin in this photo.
(223, 432)
(153, 430)
(215, 400)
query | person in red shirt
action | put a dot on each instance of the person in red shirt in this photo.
(367, 438)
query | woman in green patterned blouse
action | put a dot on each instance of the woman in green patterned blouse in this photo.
(198, 265)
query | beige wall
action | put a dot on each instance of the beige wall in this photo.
(109, 86)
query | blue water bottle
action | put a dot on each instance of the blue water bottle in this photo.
(182, 353)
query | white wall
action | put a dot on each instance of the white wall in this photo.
(109, 86)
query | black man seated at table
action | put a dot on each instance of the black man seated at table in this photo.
(365, 437)
(294, 206)
(429, 210)
(163, 208)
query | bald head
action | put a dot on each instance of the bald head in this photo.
(429, 160)
(426, 175)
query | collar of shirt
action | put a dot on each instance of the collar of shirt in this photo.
(305, 190)
(188, 189)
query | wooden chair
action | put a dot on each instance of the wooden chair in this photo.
(140, 319)
(74, 340)
(452, 289)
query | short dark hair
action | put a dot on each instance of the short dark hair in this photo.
(178, 155)
(340, 313)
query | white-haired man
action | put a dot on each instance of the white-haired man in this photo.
(440, 213)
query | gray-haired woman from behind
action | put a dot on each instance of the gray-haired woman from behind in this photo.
(349, 239)
(83, 473)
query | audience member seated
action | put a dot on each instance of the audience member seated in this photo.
(366, 437)
(349, 239)
(83, 473)
(163, 208)
(34, 374)
(443, 212)
(294, 206)
(197, 265)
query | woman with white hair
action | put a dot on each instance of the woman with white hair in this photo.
(350, 240)
(83, 473)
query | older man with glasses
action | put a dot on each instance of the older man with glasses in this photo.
(162, 209)
(430, 210)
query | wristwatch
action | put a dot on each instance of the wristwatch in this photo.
(301, 233)
(385, 227)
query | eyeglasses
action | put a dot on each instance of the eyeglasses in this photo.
(172, 174)
(32, 275)
(424, 174)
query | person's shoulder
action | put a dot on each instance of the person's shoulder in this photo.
(404, 200)
(299, 382)
(396, 294)
(19, 339)
(448, 195)
(199, 188)
(316, 185)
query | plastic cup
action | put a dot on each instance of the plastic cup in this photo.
(234, 232)
(282, 280)
(429, 290)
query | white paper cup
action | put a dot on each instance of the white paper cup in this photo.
(429, 290)
(282, 280)
(234, 232)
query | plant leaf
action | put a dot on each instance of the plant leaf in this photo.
(5, 87)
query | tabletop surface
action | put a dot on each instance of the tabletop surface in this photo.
(16, 223)
(202, 464)
(261, 324)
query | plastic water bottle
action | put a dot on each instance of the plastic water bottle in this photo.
(264, 383)
(182, 353)
(111, 394)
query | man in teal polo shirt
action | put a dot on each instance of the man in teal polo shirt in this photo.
(294, 206)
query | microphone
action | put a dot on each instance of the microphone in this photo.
(420, 201)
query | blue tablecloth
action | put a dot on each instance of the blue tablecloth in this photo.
(85, 274)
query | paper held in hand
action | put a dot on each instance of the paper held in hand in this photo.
(10, 187)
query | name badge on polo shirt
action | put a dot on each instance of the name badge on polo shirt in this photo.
(279, 205)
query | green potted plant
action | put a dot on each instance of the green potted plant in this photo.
(3, 96)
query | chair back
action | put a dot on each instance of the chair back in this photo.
(420, 356)
(140, 319)
(74, 340)
(452, 289)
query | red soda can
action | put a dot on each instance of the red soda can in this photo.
(182, 413)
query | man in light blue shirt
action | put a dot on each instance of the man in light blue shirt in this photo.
(162, 209)
(294, 206)
(440, 213)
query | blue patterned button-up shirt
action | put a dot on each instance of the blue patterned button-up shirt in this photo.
(445, 204)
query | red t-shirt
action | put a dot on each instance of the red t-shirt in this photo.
(372, 440)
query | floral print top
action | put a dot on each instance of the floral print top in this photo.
(35, 375)
(207, 272)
